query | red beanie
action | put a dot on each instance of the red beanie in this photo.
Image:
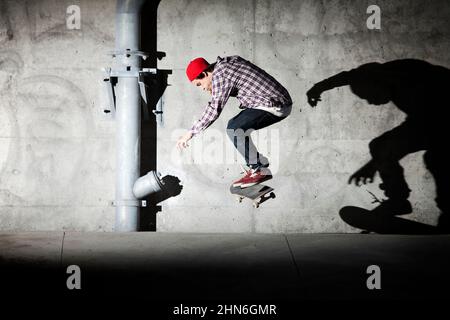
(196, 67)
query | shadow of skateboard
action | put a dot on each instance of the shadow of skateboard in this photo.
(370, 222)
(257, 193)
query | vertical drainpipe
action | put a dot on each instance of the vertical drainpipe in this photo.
(128, 114)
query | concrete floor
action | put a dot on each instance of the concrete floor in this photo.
(225, 267)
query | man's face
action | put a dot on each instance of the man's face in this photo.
(204, 83)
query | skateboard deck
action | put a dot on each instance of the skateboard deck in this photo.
(370, 222)
(257, 193)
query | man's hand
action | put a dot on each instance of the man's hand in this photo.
(364, 175)
(182, 141)
(313, 95)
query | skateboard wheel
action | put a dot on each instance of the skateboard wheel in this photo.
(255, 205)
(239, 199)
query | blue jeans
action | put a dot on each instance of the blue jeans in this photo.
(239, 128)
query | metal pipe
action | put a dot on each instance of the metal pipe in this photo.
(148, 184)
(128, 114)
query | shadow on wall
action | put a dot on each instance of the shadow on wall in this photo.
(171, 187)
(383, 224)
(156, 85)
(419, 89)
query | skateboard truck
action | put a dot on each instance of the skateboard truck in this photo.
(258, 201)
(257, 193)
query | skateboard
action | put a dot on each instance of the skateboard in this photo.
(370, 222)
(257, 193)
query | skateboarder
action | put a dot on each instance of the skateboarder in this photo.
(419, 89)
(263, 99)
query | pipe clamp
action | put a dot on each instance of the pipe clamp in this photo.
(129, 203)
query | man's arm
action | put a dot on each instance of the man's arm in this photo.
(221, 93)
(209, 115)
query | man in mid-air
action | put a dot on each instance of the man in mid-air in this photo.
(263, 99)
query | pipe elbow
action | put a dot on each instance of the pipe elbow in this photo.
(147, 185)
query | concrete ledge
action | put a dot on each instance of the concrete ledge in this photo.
(39, 248)
(167, 266)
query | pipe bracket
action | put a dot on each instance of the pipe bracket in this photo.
(110, 79)
(129, 203)
(129, 53)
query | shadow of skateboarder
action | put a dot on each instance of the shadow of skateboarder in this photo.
(419, 89)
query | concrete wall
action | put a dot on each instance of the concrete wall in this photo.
(57, 148)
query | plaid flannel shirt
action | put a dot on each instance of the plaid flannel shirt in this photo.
(253, 87)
